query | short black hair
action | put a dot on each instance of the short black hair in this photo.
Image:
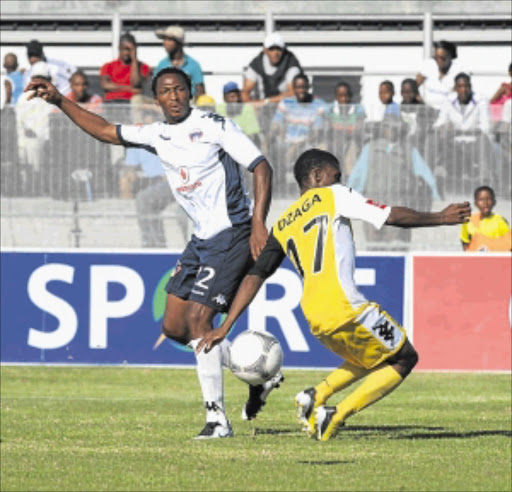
(485, 188)
(343, 84)
(389, 84)
(175, 71)
(128, 36)
(299, 76)
(311, 159)
(450, 48)
(463, 75)
(412, 83)
(79, 73)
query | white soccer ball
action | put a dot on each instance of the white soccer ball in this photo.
(255, 356)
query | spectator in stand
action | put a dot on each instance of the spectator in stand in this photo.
(271, 73)
(347, 120)
(465, 110)
(206, 103)
(32, 126)
(79, 94)
(13, 83)
(391, 167)
(464, 125)
(174, 39)
(485, 231)
(297, 124)
(410, 92)
(124, 77)
(503, 94)
(386, 93)
(60, 71)
(152, 195)
(418, 116)
(437, 74)
(242, 114)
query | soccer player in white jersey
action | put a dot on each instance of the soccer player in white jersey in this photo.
(201, 153)
(316, 233)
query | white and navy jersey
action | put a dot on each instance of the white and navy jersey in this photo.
(201, 157)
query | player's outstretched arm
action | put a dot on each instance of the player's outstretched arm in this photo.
(248, 289)
(89, 122)
(456, 213)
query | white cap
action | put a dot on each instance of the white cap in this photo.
(274, 39)
(40, 69)
(175, 32)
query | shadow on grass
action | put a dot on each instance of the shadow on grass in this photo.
(400, 432)
(326, 462)
(459, 435)
(258, 431)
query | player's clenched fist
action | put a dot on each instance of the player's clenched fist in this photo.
(40, 87)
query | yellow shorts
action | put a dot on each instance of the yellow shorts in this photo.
(369, 339)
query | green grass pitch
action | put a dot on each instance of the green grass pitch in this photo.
(121, 428)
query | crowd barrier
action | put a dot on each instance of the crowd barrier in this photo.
(62, 188)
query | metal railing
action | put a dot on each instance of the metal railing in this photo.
(62, 188)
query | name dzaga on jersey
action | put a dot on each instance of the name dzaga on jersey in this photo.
(295, 214)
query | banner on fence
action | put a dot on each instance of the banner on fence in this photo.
(107, 308)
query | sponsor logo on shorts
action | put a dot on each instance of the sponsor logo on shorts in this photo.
(184, 174)
(220, 299)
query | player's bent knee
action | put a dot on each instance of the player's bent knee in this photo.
(405, 360)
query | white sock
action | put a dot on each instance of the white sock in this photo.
(224, 347)
(209, 373)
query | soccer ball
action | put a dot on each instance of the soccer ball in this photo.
(256, 356)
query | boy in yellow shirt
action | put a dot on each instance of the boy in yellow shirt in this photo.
(486, 231)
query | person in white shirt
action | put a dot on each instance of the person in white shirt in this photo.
(33, 131)
(202, 153)
(465, 156)
(60, 71)
(436, 75)
(465, 110)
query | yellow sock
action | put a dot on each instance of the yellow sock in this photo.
(379, 383)
(339, 379)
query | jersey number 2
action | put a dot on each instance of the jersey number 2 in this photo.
(291, 248)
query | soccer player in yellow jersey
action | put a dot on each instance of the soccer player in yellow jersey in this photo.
(486, 231)
(315, 232)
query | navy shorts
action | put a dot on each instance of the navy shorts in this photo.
(211, 270)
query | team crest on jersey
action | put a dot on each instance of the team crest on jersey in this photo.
(196, 135)
(184, 174)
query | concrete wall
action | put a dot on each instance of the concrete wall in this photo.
(228, 7)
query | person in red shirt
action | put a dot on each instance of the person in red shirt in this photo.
(123, 78)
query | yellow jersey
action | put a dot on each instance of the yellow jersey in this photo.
(315, 233)
(487, 234)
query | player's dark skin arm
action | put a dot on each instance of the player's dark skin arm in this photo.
(456, 213)
(249, 287)
(262, 183)
(89, 122)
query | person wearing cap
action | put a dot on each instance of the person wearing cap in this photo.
(206, 103)
(124, 77)
(60, 71)
(32, 127)
(242, 114)
(174, 39)
(271, 73)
